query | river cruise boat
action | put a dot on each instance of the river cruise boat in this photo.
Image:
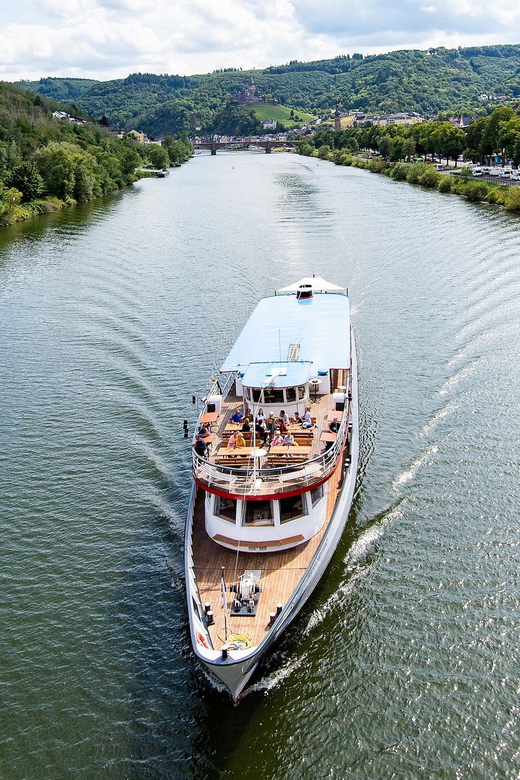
(265, 516)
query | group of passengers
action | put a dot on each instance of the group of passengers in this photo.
(269, 428)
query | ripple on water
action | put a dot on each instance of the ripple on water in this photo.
(403, 662)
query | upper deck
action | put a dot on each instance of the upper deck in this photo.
(293, 354)
(263, 470)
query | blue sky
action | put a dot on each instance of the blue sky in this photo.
(106, 39)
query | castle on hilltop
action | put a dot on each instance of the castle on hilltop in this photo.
(251, 96)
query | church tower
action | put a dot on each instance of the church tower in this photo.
(337, 120)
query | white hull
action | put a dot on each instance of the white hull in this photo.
(236, 670)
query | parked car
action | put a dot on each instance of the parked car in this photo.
(439, 166)
(476, 170)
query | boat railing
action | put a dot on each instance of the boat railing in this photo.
(272, 479)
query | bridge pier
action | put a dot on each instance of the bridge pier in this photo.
(213, 150)
(268, 147)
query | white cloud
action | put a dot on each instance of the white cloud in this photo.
(111, 38)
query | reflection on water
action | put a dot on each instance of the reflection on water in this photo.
(113, 315)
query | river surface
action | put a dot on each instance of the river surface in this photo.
(404, 664)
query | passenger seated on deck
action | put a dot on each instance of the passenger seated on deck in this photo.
(282, 426)
(201, 448)
(232, 441)
(261, 416)
(237, 415)
(288, 439)
(203, 431)
(277, 438)
(260, 430)
(271, 424)
(246, 425)
(307, 422)
(241, 442)
(283, 417)
(296, 418)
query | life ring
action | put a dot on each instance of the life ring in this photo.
(201, 640)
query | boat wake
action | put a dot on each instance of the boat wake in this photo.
(271, 681)
(411, 471)
(357, 565)
(438, 416)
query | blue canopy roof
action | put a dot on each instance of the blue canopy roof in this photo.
(279, 375)
(302, 337)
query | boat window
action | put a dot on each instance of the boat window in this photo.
(257, 395)
(278, 396)
(226, 508)
(316, 495)
(301, 392)
(269, 395)
(291, 394)
(291, 508)
(258, 513)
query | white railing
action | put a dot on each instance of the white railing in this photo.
(272, 479)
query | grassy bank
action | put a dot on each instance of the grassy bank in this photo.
(426, 175)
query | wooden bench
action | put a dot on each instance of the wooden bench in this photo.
(262, 544)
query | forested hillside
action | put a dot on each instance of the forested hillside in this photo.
(425, 81)
(61, 90)
(46, 163)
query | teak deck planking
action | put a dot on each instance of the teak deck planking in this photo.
(280, 572)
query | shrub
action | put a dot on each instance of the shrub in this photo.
(346, 159)
(446, 183)
(399, 171)
(414, 172)
(377, 166)
(430, 177)
(476, 191)
(512, 199)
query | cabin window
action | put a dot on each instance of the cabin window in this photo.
(316, 495)
(226, 508)
(256, 395)
(290, 394)
(291, 508)
(258, 513)
(301, 392)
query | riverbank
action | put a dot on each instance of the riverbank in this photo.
(13, 209)
(426, 175)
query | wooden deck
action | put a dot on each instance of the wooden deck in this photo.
(280, 572)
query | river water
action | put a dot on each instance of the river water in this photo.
(403, 664)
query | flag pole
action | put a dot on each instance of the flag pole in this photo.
(224, 600)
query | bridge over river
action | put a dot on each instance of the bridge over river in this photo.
(268, 144)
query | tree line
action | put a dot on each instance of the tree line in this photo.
(496, 134)
(47, 163)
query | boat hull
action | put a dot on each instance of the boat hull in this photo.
(236, 670)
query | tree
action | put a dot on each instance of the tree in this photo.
(26, 178)
(158, 156)
(409, 148)
(384, 145)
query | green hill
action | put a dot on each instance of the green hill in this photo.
(58, 89)
(428, 82)
(285, 116)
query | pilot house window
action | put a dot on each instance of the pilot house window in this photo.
(258, 513)
(226, 508)
(291, 508)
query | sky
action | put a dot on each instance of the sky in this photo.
(108, 39)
